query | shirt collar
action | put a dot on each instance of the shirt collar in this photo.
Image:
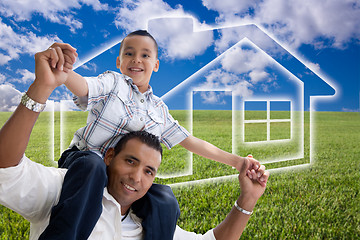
(149, 92)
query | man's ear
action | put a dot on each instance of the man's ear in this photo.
(109, 156)
(118, 62)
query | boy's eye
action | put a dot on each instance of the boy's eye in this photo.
(128, 54)
(145, 56)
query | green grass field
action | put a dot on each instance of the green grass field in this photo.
(317, 202)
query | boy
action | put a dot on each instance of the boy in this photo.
(119, 103)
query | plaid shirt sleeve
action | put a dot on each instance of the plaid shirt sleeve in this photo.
(99, 87)
(173, 132)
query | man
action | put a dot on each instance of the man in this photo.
(32, 189)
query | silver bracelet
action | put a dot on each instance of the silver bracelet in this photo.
(31, 104)
(242, 210)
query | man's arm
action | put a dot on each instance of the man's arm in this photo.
(208, 150)
(15, 134)
(235, 222)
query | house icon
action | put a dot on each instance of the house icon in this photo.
(269, 91)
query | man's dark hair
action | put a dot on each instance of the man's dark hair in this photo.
(141, 33)
(147, 138)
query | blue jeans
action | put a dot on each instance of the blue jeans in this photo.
(80, 203)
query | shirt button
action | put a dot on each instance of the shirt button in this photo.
(142, 100)
(141, 119)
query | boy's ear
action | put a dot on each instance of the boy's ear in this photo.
(109, 155)
(118, 62)
(157, 65)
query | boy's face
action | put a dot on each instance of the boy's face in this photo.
(131, 172)
(138, 59)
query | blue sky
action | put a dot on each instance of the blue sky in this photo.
(202, 37)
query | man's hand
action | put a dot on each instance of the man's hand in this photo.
(253, 183)
(254, 169)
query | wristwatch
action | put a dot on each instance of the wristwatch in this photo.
(31, 104)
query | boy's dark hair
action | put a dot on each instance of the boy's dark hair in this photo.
(147, 138)
(141, 33)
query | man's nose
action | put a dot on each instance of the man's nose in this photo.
(136, 175)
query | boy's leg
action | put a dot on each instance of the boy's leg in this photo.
(159, 210)
(80, 203)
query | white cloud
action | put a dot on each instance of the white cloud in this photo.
(177, 38)
(133, 14)
(306, 21)
(26, 76)
(258, 76)
(350, 110)
(331, 23)
(90, 66)
(174, 36)
(222, 79)
(9, 98)
(212, 97)
(2, 78)
(60, 12)
(4, 59)
(14, 44)
(241, 61)
(229, 6)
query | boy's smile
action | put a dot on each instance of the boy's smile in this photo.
(138, 59)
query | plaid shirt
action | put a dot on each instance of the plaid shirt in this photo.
(117, 107)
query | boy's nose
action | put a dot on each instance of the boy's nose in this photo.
(136, 60)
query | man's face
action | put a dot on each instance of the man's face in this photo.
(138, 59)
(131, 172)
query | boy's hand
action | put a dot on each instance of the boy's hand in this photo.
(63, 56)
(254, 170)
(53, 64)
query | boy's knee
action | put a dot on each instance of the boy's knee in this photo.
(89, 165)
(163, 196)
(95, 164)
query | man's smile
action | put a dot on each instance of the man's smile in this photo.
(128, 187)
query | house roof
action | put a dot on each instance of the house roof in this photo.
(314, 84)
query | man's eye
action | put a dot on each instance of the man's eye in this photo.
(130, 161)
(149, 172)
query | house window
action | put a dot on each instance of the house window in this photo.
(267, 121)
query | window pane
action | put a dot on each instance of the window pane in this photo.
(280, 130)
(255, 132)
(280, 110)
(255, 110)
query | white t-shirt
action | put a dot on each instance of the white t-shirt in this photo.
(32, 189)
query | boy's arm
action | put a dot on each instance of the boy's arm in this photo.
(15, 134)
(208, 150)
(74, 82)
(77, 84)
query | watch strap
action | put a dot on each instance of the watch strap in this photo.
(31, 104)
